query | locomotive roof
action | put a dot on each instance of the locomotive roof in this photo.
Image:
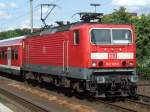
(12, 41)
(61, 28)
(56, 29)
(68, 27)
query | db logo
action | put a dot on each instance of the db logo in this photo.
(112, 56)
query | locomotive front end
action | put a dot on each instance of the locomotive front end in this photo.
(113, 60)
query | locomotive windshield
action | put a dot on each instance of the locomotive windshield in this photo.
(101, 36)
(111, 36)
(121, 36)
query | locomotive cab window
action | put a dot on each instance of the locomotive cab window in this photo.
(101, 36)
(76, 37)
(111, 36)
(122, 36)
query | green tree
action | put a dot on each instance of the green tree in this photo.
(13, 33)
(119, 16)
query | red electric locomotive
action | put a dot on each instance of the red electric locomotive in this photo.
(85, 57)
(92, 57)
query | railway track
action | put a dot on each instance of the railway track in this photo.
(27, 104)
(121, 106)
(144, 98)
(127, 105)
(143, 85)
(116, 107)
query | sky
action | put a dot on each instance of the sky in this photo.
(15, 13)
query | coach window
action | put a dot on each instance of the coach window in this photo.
(12, 55)
(76, 37)
(16, 54)
(3, 55)
(0, 55)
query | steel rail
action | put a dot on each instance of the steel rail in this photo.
(143, 84)
(139, 103)
(116, 107)
(144, 98)
(124, 107)
(25, 103)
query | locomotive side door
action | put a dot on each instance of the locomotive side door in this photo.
(27, 53)
(66, 56)
(9, 56)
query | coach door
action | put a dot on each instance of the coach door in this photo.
(65, 56)
(9, 56)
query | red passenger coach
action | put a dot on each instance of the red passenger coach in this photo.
(11, 55)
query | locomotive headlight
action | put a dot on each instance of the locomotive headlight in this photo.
(93, 64)
(134, 78)
(131, 63)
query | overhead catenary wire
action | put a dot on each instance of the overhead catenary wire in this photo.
(6, 25)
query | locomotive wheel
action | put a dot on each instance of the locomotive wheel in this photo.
(26, 78)
(40, 79)
(68, 92)
(23, 78)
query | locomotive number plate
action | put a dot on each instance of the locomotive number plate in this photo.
(112, 56)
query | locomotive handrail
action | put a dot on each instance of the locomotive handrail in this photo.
(63, 56)
(67, 56)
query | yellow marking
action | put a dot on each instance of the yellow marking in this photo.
(52, 98)
(28, 89)
(10, 84)
(34, 92)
